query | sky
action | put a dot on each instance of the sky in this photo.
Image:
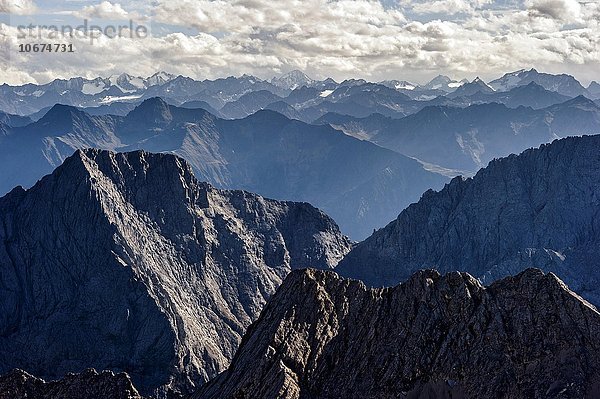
(370, 39)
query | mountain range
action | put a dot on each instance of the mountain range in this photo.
(127, 262)
(361, 185)
(163, 275)
(181, 237)
(395, 98)
(357, 180)
(563, 84)
(467, 139)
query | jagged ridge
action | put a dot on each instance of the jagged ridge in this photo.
(127, 262)
(539, 209)
(106, 385)
(321, 336)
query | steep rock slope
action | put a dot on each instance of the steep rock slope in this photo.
(433, 336)
(13, 120)
(538, 209)
(355, 182)
(126, 262)
(106, 385)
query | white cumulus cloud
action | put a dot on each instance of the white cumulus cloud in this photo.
(17, 7)
(341, 39)
(104, 10)
(568, 10)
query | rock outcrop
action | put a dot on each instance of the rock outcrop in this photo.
(538, 209)
(106, 385)
(321, 336)
(126, 262)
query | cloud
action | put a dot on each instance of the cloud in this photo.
(341, 39)
(104, 10)
(246, 16)
(565, 10)
(17, 7)
(448, 7)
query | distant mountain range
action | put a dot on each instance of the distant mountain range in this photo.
(233, 96)
(531, 95)
(466, 139)
(563, 84)
(81, 92)
(361, 185)
(358, 183)
(127, 262)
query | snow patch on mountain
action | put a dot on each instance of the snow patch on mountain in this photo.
(112, 99)
(93, 88)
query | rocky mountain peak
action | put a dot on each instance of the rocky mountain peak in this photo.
(581, 101)
(160, 78)
(292, 80)
(519, 212)
(562, 83)
(594, 89)
(153, 110)
(61, 115)
(150, 271)
(134, 171)
(440, 79)
(442, 336)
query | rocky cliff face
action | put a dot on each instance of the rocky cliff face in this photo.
(20, 385)
(539, 209)
(321, 336)
(126, 262)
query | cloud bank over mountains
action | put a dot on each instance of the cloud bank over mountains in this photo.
(376, 40)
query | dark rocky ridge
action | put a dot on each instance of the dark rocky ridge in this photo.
(321, 336)
(538, 209)
(126, 262)
(89, 385)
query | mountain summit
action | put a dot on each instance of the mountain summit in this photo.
(469, 89)
(564, 84)
(126, 262)
(292, 80)
(433, 336)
